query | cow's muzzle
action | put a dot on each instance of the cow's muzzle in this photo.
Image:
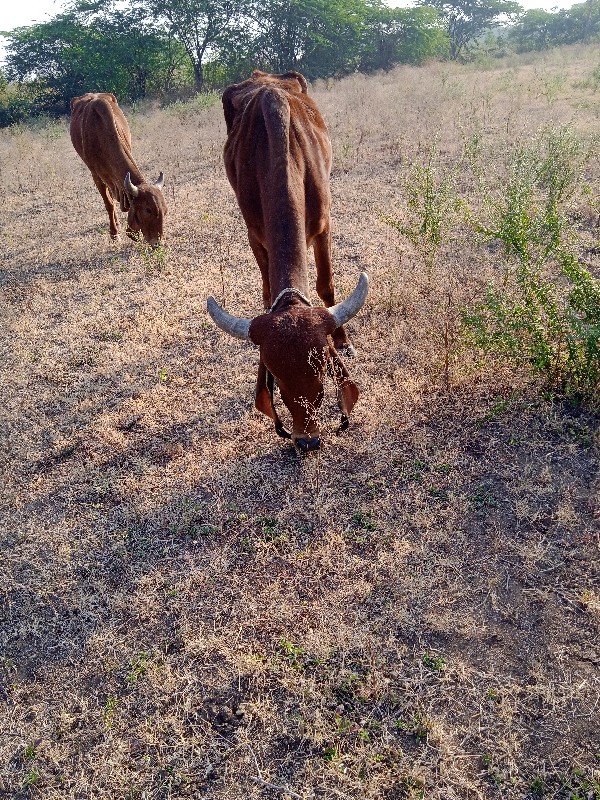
(308, 445)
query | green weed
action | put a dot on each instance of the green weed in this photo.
(433, 207)
(416, 725)
(109, 710)
(546, 313)
(31, 778)
(434, 663)
(138, 667)
(154, 259)
(291, 653)
(29, 752)
(364, 520)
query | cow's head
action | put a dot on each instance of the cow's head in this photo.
(147, 209)
(296, 350)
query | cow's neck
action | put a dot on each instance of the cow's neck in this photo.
(127, 165)
(287, 259)
(287, 296)
(288, 280)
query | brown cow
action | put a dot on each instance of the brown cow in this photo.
(100, 134)
(278, 159)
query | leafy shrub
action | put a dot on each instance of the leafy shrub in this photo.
(432, 205)
(546, 312)
(19, 102)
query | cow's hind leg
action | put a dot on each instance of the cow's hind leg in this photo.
(110, 207)
(262, 259)
(322, 248)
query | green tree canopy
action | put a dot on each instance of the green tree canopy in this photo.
(403, 36)
(84, 49)
(538, 29)
(201, 26)
(466, 20)
(317, 37)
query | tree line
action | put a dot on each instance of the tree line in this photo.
(172, 48)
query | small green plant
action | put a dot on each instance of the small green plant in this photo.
(109, 710)
(138, 667)
(111, 335)
(582, 784)
(412, 788)
(482, 497)
(292, 654)
(330, 753)
(29, 752)
(497, 409)
(31, 778)
(537, 787)
(153, 258)
(433, 207)
(439, 494)
(551, 86)
(419, 467)
(271, 531)
(416, 725)
(364, 520)
(434, 663)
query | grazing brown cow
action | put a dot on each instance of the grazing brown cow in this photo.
(100, 134)
(278, 159)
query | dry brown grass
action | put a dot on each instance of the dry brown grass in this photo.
(192, 610)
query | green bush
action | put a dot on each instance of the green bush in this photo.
(19, 102)
(546, 311)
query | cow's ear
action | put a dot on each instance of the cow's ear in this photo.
(262, 399)
(347, 396)
(228, 107)
(347, 390)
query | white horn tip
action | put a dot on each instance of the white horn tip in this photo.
(344, 311)
(234, 326)
(210, 304)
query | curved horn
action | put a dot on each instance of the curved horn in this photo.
(234, 326)
(342, 312)
(159, 181)
(130, 188)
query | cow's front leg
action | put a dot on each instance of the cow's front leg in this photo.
(262, 259)
(322, 248)
(110, 207)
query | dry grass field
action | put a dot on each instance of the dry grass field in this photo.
(189, 608)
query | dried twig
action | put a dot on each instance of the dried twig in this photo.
(266, 784)
(282, 789)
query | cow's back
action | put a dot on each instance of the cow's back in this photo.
(278, 154)
(101, 136)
